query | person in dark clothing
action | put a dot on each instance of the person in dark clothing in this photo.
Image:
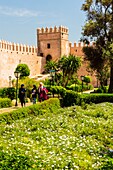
(34, 94)
(21, 96)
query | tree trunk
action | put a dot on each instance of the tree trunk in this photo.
(110, 90)
(106, 82)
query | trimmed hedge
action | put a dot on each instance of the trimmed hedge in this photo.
(5, 102)
(73, 98)
(97, 98)
(49, 105)
(70, 98)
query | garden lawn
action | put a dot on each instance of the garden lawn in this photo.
(71, 138)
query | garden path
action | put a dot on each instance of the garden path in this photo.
(9, 109)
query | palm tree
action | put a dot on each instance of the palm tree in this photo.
(50, 65)
(69, 66)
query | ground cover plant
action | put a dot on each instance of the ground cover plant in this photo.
(70, 138)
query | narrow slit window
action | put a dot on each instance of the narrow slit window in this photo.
(48, 45)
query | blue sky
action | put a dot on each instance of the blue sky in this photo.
(19, 19)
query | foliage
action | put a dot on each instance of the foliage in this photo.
(79, 88)
(65, 68)
(28, 83)
(5, 102)
(40, 108)
(108, 164)
(14, 161)
(59, 78)
(58, 90)
(102, 89)
(73, 98)
(69, 66)
(98, 63)
(69, 138)
(7, 92)
(51, 65)
(87, 79)
(23, 69)
(99, 28)
(74, 80)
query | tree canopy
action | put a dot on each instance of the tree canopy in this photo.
(67, 67)
(99, 28)
(23, 69)
(51, 65)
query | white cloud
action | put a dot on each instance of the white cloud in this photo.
(18, 12)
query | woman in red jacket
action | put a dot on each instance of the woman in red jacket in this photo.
(42, 92)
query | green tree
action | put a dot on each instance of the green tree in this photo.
(69, 65)
(99, 28)
(51, 65)
(98, 63)
(23, 69)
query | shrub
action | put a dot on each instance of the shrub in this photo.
(49, 105)
(101, 89)
(5, 102)
(79, 88)
(87, 79)
(97, 98)
(73, 98)
(74, 87)
(7, 92)
(56, 90)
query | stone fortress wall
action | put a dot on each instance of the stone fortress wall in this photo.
(52, 43)
(11, 55)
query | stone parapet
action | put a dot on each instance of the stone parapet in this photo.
(80, 44)
(19, 48)
(55, 29)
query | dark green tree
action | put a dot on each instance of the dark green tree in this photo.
(98, 64)
(99, 28)
(23, 69)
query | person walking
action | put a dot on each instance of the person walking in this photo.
(34, 94)
(21, 96)
(42, 93)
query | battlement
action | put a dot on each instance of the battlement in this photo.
(19, 48)
(61, 29)
(80, 44)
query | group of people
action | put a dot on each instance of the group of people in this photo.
(41, 92)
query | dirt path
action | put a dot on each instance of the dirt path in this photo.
(9, 109)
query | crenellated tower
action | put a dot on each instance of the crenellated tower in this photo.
(52, 43)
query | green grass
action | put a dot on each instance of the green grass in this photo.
(71, 138)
